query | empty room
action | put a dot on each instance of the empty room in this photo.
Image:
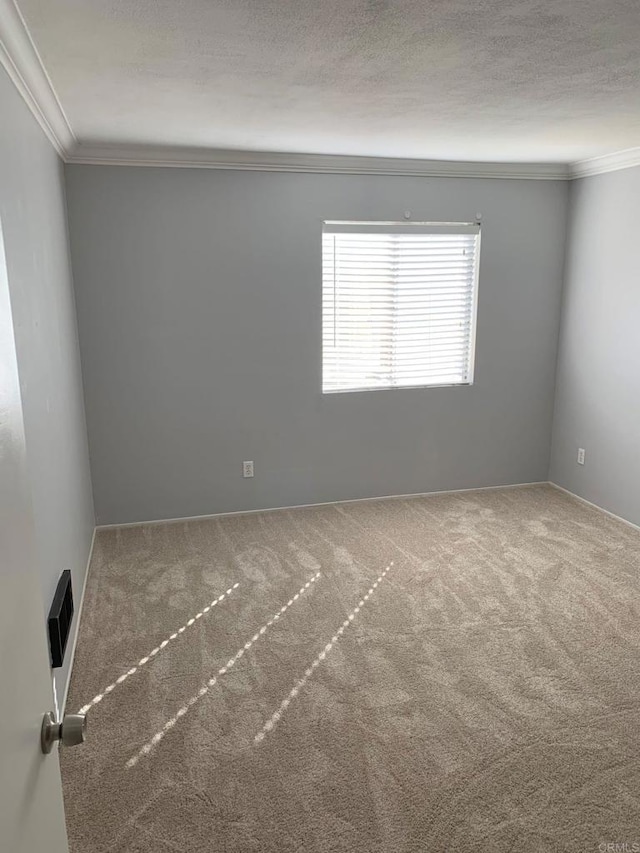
(319, 426)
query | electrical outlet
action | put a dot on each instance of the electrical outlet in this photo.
(581, 453)
(247, 469)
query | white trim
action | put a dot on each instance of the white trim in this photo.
(322, 503)
(606, 163)
(23, 64)
(78, 615)
(97, 154)
(273, 161)
(595, 506)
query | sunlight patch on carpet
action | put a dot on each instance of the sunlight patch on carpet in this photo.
(299, 685)
(145, 660)
(159, 735)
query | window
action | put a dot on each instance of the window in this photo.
(398, 304)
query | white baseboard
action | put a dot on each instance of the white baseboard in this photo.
(78, 616)
(595, 506)
(322, 503)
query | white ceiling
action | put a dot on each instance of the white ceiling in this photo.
(486, 80)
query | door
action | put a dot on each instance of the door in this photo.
(31, 809)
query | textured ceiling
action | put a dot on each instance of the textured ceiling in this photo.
(547, 80)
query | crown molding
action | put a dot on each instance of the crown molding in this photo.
(21, 60)
(267, 161)
(606, 163)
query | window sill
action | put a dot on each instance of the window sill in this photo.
(395, 388)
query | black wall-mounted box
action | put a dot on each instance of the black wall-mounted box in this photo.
(60, 617)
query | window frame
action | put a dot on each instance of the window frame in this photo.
(386, 227)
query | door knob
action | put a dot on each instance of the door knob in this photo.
(70, 732)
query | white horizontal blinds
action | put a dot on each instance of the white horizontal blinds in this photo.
(398, 305)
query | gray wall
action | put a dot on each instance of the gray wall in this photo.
(198, 296)
(33, 215)
(598, 388)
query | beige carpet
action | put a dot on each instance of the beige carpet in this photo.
(481, 694)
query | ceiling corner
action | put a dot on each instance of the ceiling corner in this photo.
(606, 163)
(21, 60)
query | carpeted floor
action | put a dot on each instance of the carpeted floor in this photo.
(450, 673)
